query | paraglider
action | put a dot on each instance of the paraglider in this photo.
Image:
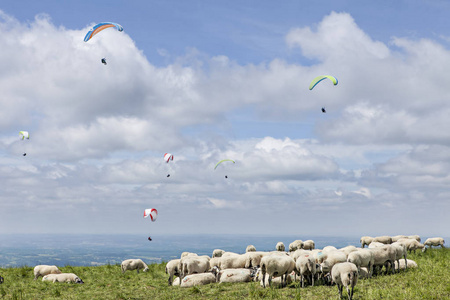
(223, 160)
(101, 26)
(24, 135)
(320, 78)
(153, 214)
(104, 61)
(167, 158)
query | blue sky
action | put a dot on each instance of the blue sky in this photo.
(207, 80)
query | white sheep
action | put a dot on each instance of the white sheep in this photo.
(397, 237)
(332, 258)
(280, 246)
(235, 275)
(415, 237)
(295, 245)
(217, 253)
(173, 267)
(345, 274)
(383, 256)
(133, 264)
(412, 244)
(400, 251)
(214, 262)
(42, 270)
(348, 249)
(250, 248)
(227, 253)
(309, 245)
(184, 254)
(253, 259)
(304, 266)
(276, 280)
(362, 258)
(233, 261)
(436, 241)
(198, 279)
(385, 239)
(328, 249)
(194, 264)
(63, 277)
(276, 265)
(365, 240)
(375, 245)
(403, 264)
(297, 253)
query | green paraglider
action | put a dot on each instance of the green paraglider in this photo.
(223, 161)
(320, 78)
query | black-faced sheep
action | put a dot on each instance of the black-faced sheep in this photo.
(42, 270)
(345, 274)
(133, 264)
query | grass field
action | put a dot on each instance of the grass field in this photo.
(431, 280)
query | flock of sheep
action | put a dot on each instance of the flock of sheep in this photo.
(302, 262)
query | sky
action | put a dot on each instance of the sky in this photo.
(213, 80)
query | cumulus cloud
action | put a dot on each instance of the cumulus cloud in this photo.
(98, 133)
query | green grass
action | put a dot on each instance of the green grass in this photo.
(430, 281)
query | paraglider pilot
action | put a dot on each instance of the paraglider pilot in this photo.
(323, 110)
(24, 154)
(104, 61)
(149, 238)
(168, 175)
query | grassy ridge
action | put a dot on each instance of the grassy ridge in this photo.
(430, 281)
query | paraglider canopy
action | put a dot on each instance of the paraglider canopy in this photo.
(168, 157)
(24, 135)
(99, 27)
(320, 78)
(152, 213)
(223, 161)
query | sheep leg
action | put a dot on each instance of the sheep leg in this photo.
(339, 289)
(264, 279)
(270, 280)
(312, 279)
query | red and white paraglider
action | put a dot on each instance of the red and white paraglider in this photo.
(153, 214)
(168, 157)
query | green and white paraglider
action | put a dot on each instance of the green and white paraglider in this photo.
(24, 135)
(223, 160)
(319, 79)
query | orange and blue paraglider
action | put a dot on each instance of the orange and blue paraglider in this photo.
(101, 26)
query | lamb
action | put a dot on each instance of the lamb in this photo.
(295, 245)
(173, 267)
(332, 258)
(276, 265)
(42, 270)
(62, 277)
(133, 264)
(383, 239)
(198, 279)
(436, 241)
(218, 253)
(403, 264)
(250, 248)
(305, 265)
(362, 258)
(345, 274)
(309, 245)
(365, 240)
(280, 246)
(235, 275)
(194, 264)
